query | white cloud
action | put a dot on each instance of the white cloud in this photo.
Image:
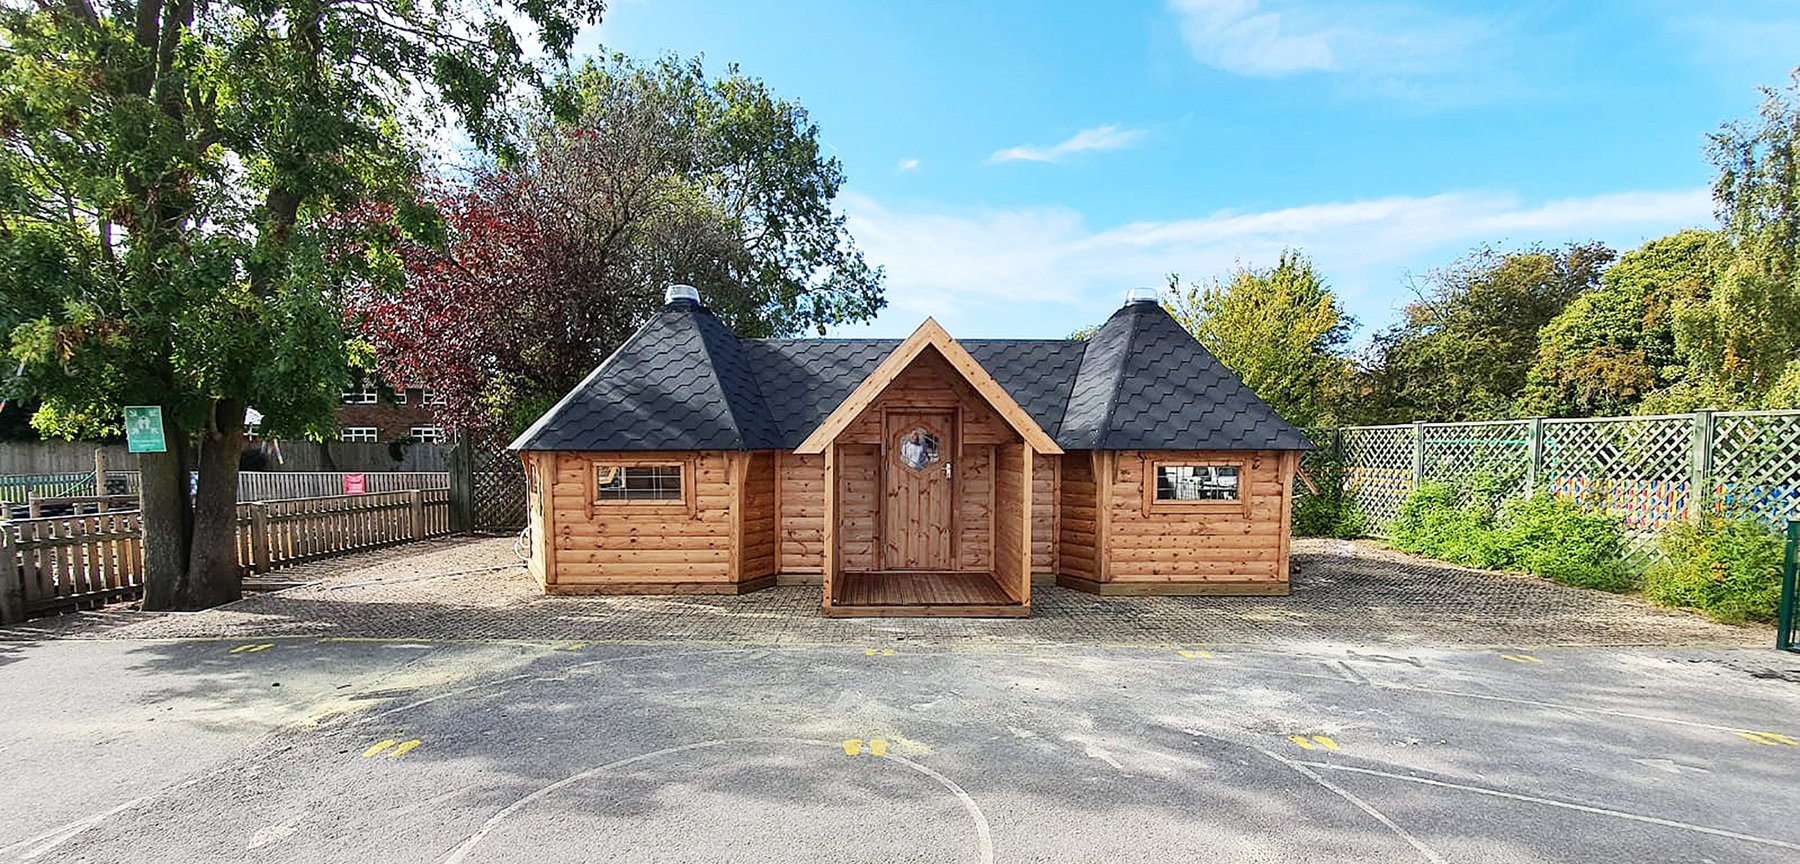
(908, 164)
(1044, 271)
(1108, 137)
(1382, 42)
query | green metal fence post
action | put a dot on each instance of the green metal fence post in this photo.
(1784, 618)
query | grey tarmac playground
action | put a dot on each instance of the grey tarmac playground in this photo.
(1389, 711)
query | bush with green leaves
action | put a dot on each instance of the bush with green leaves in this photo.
(1331, 511)
(1555, 538)
(1728, 568)
(1474, 524)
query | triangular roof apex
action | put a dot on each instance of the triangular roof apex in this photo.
(930, 334)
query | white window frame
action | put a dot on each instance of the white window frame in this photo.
(360, 434)
(365, 395)
(427, 434)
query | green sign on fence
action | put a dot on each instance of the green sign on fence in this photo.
(144, 429)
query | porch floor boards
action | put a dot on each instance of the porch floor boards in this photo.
(924, 594)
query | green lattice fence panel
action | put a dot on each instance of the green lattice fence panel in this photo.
(1378, 470)
(498, 485)
(1755, 464)
(1635, 468)
(1498, 449)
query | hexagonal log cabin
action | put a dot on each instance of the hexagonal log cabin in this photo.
(925, 476)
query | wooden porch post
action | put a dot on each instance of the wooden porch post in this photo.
(1026, 457)
(829, 568)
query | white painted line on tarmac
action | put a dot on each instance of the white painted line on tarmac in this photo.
(1305, 771)
(1566, 805)
(983, 834)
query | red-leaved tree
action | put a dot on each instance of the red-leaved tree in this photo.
(546, 267)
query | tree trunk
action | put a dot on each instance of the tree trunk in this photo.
(213, 573)
(168, 520)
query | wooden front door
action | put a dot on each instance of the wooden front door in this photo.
(921, 502)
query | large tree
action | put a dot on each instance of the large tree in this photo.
(634, 177)
(1611, 349)
(1740, 344)
(1464, 347)
(175, 175)
(1281, 329)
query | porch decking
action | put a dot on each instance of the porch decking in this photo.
(923, 594)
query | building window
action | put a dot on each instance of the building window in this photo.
(428, 434)
(427, 396)
(364, 395)
(1196, 482)
(399, 395)
(357, 433)
(623, 483)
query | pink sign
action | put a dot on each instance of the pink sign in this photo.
(355, 484)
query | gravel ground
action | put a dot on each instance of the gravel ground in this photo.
(475, 589)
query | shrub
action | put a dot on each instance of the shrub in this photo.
(1331, 511)
(1474, 526)
(1729, 569)
(1552, 537)
(1449, 523)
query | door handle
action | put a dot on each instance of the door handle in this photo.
(946, 469)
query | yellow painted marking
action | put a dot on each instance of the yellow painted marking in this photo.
(879, 652)
(1196, 655)
(852, 746)
(1302, 741)
(571, 646)
(878, 747)
(1769, 739)
(404, 748)
(1520, 658)
(377, 747)
(1325, 742)
(252, 648)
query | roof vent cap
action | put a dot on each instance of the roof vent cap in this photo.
(1142, 295)
(681, 294)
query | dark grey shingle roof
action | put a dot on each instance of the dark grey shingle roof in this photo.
(684, 382)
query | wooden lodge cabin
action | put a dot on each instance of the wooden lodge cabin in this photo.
(928, 476)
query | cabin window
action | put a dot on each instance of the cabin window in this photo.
(1182, 483)
(630, 483)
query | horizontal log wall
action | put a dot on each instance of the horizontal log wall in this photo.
(642, 547)
(756, 526)
(800, 538)
(975, 491)
(1077, 517)
(1212, 544)
(858, 505)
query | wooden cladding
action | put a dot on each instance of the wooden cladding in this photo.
(1117, 537)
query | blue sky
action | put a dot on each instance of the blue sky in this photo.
(1016, 167)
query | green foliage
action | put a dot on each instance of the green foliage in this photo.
(1729, 569)
(1463, 350)
(1741, 339)
(1331, 511)
(1610, 349)
(1281, 329)
(1474, 525)
(644, 175)
(1555, 538)
(175, 176)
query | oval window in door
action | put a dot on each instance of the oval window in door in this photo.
(919, 449)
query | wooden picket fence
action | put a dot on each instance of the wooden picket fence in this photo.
(58, 563)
